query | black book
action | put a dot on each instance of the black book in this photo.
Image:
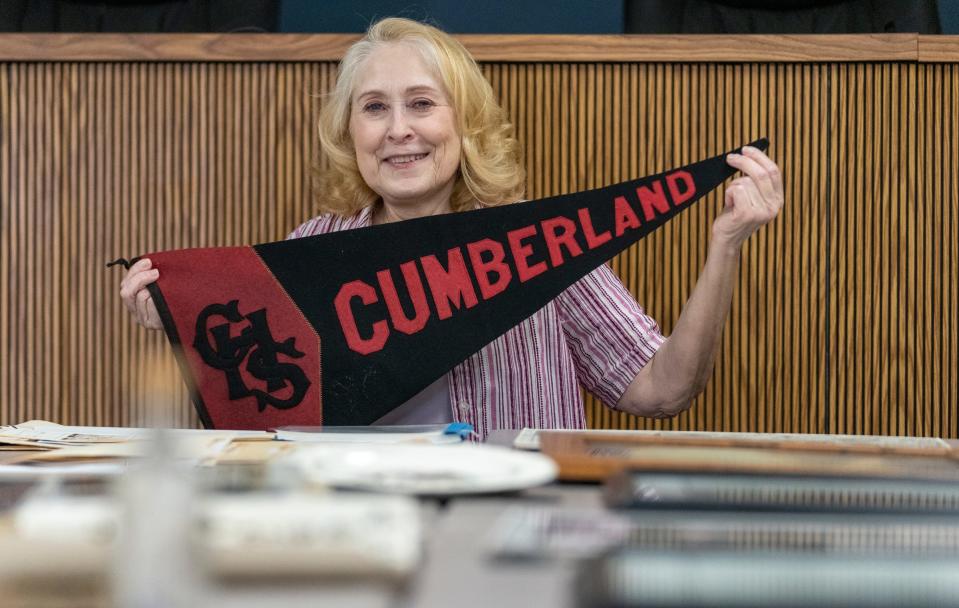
(779, 492)
(718, 579)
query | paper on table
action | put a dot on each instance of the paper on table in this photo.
(80, 469)
(48, 434)
(201, 449)
(22, 446)
(253, 452)
(416, 434)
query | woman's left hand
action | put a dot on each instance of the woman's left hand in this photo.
(752, 200)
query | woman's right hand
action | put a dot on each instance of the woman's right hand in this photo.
(136, 297)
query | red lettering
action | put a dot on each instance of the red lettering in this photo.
(449, 285)
(482, 270)
(414, 286)
(625, 216)
(522, 252)
(652, 198)
(367, 295)
(593, 240)
(672, 182)
(559, 231)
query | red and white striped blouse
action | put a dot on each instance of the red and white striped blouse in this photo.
(593, 334)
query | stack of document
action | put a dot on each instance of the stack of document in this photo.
(49, 448)
(86, 449)
(43, 435)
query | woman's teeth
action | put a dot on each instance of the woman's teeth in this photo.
(402, 160)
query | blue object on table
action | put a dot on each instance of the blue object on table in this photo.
(463, 429)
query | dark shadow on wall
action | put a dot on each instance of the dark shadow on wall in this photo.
(491, 16)
(142, 16)
(458, 17)
(781, 17)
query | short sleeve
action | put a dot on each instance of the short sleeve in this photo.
(308, 228)
(323, 224)
(609, 335)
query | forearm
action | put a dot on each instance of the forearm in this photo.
(684, 363)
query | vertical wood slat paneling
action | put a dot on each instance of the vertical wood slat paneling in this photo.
(688, 112)
(101, 160)
(843, 320)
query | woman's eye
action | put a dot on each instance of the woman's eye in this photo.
(421, 105)
(374, 107)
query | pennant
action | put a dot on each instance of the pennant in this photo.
(341, 328)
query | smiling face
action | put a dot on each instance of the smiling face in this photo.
(404, 132)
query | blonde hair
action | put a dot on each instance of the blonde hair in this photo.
(490, 171)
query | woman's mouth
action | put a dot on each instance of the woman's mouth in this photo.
(404, 161)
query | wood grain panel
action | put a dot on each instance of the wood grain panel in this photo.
(692, 111)
(843, 319)
(521, 48)
(937, 277)
(938, 49)
(693, 48)
(114, 159)
(174, 47)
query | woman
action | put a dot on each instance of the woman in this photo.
(412, 129)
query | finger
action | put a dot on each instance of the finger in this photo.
(135, 283)
(152, 320)
(752, 197)
(144, 300)
(766, 202)
(143, 278)
(758, 208)
(751, 192)
(760, 157)
(749, 204)
(755, 171)
(135, 269)
(155, 322)
(128, 286)
(128, 300)
(139, 301)
(734, 194)
(772, 169)
(128, 294)
(142, 264)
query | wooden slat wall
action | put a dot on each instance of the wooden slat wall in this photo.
(101, 160)
(844, 319)
(631, 120)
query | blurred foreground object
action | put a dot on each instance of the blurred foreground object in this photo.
(431, 470)
(720, 579)
(155, 561)
(259, 535)
(595, 456)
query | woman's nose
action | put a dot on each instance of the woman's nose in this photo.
(399, 127)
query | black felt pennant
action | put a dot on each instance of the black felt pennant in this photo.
(341, 328)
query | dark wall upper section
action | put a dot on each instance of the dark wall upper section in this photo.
(949, 16)
(490, 16)
(636, 16)
(782, 17)
(139, 16)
